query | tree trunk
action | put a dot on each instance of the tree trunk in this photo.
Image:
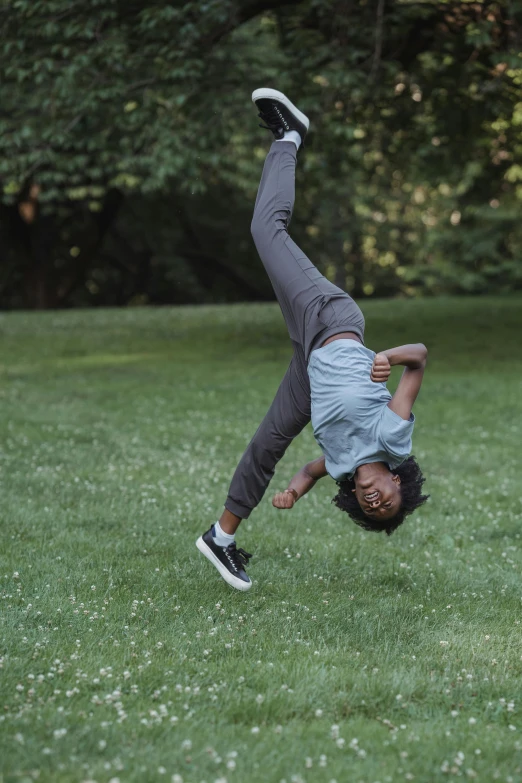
(103, 222)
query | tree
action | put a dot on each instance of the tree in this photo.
(113, 111)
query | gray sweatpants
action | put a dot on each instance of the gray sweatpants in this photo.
(313, 308)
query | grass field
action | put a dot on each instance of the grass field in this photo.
(124, 656)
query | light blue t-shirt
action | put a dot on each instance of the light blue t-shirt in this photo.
(350, 416)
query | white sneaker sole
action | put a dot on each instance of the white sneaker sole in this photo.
(233, 581)
(269, 94)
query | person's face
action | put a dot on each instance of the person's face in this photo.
(379, 496)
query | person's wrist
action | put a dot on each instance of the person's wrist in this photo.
(293, 492)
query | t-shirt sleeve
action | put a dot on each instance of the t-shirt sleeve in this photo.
(396, 434)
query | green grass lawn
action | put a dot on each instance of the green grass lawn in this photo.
(354, 657)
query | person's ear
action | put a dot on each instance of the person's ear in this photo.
(396, 478)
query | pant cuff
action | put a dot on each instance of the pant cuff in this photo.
(280, 145)
(236, 508)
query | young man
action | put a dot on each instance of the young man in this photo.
(364, 432)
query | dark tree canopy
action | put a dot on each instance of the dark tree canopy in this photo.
(130, 153)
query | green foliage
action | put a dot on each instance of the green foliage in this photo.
(119, 434)
(415, 109)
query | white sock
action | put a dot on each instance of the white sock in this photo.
(292, 136)
(220, 537)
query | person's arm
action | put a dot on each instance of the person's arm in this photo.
(413, 358)
(302, 482)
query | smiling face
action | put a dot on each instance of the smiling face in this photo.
(379, 495)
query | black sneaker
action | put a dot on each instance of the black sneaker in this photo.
(229, 560)
(279, 114)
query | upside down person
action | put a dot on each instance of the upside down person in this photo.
(333, 380)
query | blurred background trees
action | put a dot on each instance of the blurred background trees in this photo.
(130, 152)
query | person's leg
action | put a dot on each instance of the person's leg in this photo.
(286, 417)
(288, 414)
(301, 290)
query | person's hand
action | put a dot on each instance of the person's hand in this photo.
(380, 369)
(284, 500)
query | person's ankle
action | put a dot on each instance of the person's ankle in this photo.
(292, 135)
(229, 522)
(220, 537)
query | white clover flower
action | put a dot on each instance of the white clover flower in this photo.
(260, 698)
(254, 730)
(318, 713)
(186, 744)
(340, 742)
(59, 733)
